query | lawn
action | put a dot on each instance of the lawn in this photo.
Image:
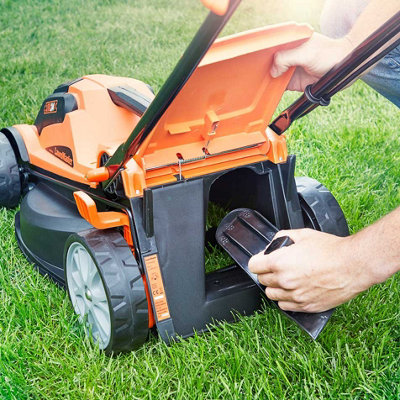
(353, 147)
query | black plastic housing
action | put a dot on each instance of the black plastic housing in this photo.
(170, 222)
(46, 219)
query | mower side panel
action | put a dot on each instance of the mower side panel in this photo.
(45, 221)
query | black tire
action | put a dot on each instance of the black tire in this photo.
(10, 180)
(123, 284)
(320, 209)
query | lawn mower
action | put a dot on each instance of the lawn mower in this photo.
(116, 183)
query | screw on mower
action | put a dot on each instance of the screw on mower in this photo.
(116, 182)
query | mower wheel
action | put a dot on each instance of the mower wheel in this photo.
(106, 289)
(10, 180)
(320, 209)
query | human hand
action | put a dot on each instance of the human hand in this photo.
(313, 59)
(316, 273)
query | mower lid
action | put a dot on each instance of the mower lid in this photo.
(227, 102)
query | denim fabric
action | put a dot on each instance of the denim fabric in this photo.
(337, 19)
(385, 77)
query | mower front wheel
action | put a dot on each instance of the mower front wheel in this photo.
(106, 289)
(10, 180)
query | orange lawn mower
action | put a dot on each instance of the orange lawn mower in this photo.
(116, 183)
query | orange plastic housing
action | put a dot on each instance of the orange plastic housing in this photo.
(97, 126)
(217, 121)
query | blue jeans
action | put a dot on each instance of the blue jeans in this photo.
(385, 77)
(338, 16)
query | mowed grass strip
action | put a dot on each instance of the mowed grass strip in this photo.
(353, 147)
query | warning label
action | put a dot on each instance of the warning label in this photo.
(157, 287)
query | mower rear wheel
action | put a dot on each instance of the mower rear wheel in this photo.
(106, 289)
(10, 180)
(320, 209)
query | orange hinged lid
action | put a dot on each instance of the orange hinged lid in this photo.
(228, 101)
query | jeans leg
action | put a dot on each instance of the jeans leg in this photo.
(385, 77)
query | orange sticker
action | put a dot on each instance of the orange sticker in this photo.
(50, 107)
(157, 287)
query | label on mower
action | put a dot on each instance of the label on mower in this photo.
(157, 287)
(50, 107)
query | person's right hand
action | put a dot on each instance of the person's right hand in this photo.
(313, 59)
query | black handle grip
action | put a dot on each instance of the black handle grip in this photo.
(278, 244)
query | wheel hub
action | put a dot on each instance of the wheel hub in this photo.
(87, 293)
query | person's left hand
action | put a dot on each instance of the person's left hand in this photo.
(314, 274)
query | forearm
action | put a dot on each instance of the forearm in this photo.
(377, 248)
(376, 13)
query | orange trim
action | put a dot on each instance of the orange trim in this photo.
(98, 174)
(128, 237)
(278, 150)
(129, 240)
(152, 320)
(100, 220)
(98, 126)
(133, 178)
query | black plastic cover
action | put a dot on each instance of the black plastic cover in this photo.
(54, 109)
(45, 221)
(129, 98)
(244, 233)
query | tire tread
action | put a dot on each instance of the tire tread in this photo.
(128, 303)
(10, 180)
(323, 205)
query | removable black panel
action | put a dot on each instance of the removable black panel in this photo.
(194, 298)
(129, 98)
(54, 109)
(244, 233)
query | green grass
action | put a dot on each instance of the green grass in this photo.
(353, 147)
